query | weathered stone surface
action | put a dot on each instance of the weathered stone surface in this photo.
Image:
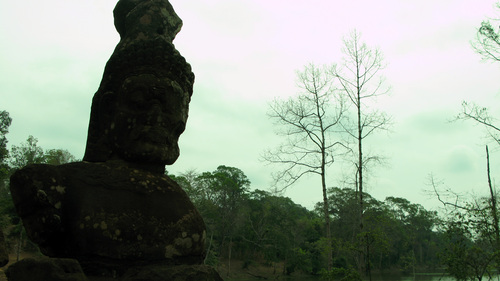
(141, 106)
(108, 213)
(138, 19)
(45, 269)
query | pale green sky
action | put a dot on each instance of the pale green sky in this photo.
(245, 53)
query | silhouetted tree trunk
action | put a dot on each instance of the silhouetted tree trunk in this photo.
(229, 257)
(360, 80)
(493, 199)
(307, 123)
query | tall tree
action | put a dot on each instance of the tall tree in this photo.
(359, 76)
(487, 45)
(473, 222)
(487, 42)
(416, 226)
(480, 115)
(277, 227)
(27, 153)
(5, 122)
(30, 152)
(6, 206)
(307, 122)
(58, 156)
(224, 191)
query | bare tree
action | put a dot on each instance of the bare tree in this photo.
(487, 42)
(481, 115)
(308, 123)
(493, 202)
(477, 217)
(487, 45)
(360, 80)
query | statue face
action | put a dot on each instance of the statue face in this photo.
(149, 117)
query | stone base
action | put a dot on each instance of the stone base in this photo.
(32, 269)
(54, 269)
(92, 211)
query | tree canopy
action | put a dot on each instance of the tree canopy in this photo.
(257, 226)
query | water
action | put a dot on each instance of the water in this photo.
(424, 277)
(417, 277)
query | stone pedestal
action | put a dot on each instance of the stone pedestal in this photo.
(108, 216)
(32, 269)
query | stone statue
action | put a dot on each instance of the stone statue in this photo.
(116, 213)
(141, 106)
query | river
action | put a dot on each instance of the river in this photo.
(416, 277)
(424, 277)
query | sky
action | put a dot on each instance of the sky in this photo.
(246, 53)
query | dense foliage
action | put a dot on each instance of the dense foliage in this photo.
(472, 251)
(28, 152)
(257, 226)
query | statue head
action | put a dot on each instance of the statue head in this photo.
(141, 106)
(149, 116)
(139, 18)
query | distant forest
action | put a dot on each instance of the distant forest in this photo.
(258, 227)
(255, 228)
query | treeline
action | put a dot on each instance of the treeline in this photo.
(26, 153)
(259, 227)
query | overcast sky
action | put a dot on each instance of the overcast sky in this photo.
(245, 53)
